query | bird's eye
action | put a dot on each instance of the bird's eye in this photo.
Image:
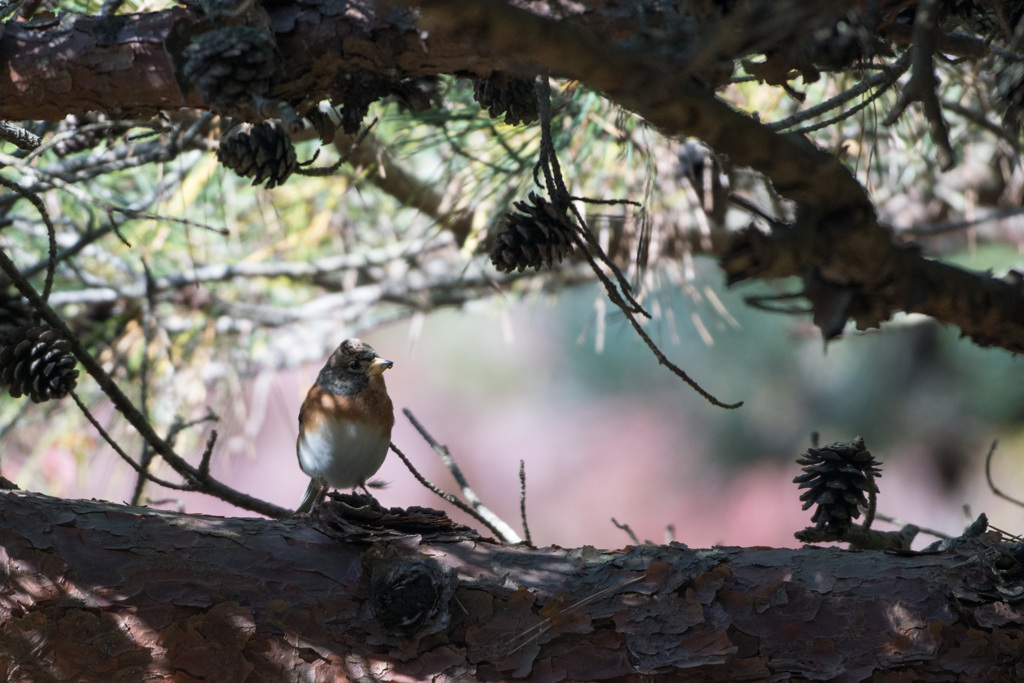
(354, 365)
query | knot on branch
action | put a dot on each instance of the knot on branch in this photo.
(409, 595)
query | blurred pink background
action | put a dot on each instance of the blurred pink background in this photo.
(613, 435)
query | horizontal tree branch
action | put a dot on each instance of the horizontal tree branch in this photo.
(92, 588)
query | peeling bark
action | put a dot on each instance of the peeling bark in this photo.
(96, 591)
(77, 64)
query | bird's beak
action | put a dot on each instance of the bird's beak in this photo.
(379, 365)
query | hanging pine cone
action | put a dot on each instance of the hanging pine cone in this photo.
(508, 96)
(229, 65)
(14, 311)
(35, 361)
(262, 151)
(837, 478)
(540, 234)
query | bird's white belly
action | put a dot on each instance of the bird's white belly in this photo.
(343, 455)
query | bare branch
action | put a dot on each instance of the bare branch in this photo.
(522, 503)
(482, 511)
(83, 196)
(988, 477)
(884, 78)
(18, 136)
(51, 232)
(922, 83)
(628, 530)
(923, 530)
(143, 473)
(469, 510)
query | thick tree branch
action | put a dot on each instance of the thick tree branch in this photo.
(662, 92)
(91, 588)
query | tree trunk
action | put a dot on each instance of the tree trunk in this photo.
(96, 591)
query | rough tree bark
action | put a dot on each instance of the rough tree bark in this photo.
(95, 591)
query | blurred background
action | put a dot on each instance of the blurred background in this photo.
(611, 435)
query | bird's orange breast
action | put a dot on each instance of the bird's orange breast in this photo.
(344, 439)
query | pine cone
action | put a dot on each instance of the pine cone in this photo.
(540, 234)
(14, 311)
(838, 476)
(230, 65)
(504, 95)
(262, 151)
(35, 361)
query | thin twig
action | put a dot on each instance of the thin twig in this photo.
(953, 226)
(760, 301)
(146, 458)
(51, 232)
(747, 205)
(612, 202)
(143, 474)
(224, 272)
(922, 84)
(842, 116)
(893, 520)
(496, 522)
(978, 118)
(324, 171)
(584, 238)
(884, 78)
(628, 530)
(988, 477)
(465, 507)
(660, 355)
(560, 196)
(522, 502)
(204, 463)
(83, 196)
(178, 425)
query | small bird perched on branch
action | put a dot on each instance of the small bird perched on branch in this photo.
(345, 422)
